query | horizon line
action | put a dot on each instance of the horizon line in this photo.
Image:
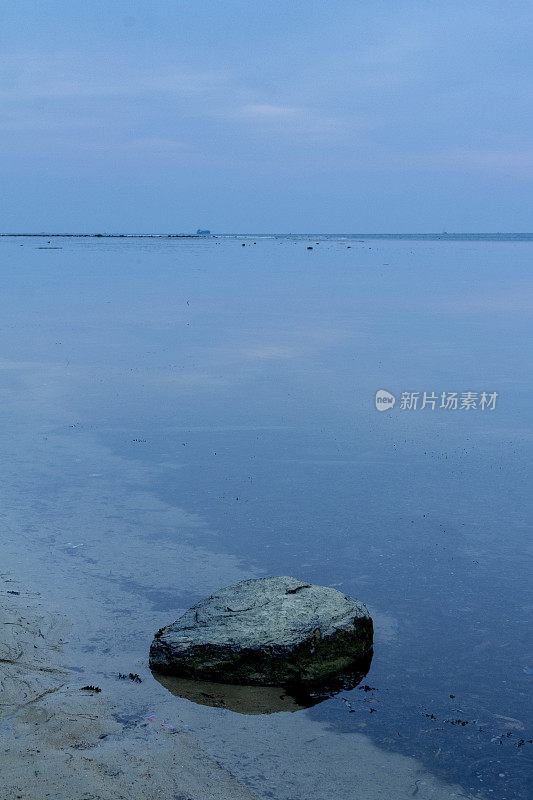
(273, 233)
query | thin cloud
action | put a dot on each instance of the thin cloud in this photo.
(263, 110)
(161, 144)
(516, 162)
(66, 76)
(295, 119)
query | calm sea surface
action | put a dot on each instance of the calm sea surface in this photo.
(179, 414)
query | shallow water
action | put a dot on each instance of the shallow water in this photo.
(180, 414)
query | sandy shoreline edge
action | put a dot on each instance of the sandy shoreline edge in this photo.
(59, 741)
(62, 742)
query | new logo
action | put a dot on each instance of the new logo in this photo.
(384, 400)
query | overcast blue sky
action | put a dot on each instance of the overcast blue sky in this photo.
(338, 116)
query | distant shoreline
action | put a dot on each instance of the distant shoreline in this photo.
(109, 235)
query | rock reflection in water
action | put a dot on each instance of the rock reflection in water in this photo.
(263, 699)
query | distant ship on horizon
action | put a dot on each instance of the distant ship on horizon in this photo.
(200, 232)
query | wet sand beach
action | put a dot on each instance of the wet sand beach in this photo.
(61, 741)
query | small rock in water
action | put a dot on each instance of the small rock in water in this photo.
(266, 631)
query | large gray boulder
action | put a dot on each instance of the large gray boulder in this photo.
(266, 631)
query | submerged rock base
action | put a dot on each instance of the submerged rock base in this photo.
(249, 699)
